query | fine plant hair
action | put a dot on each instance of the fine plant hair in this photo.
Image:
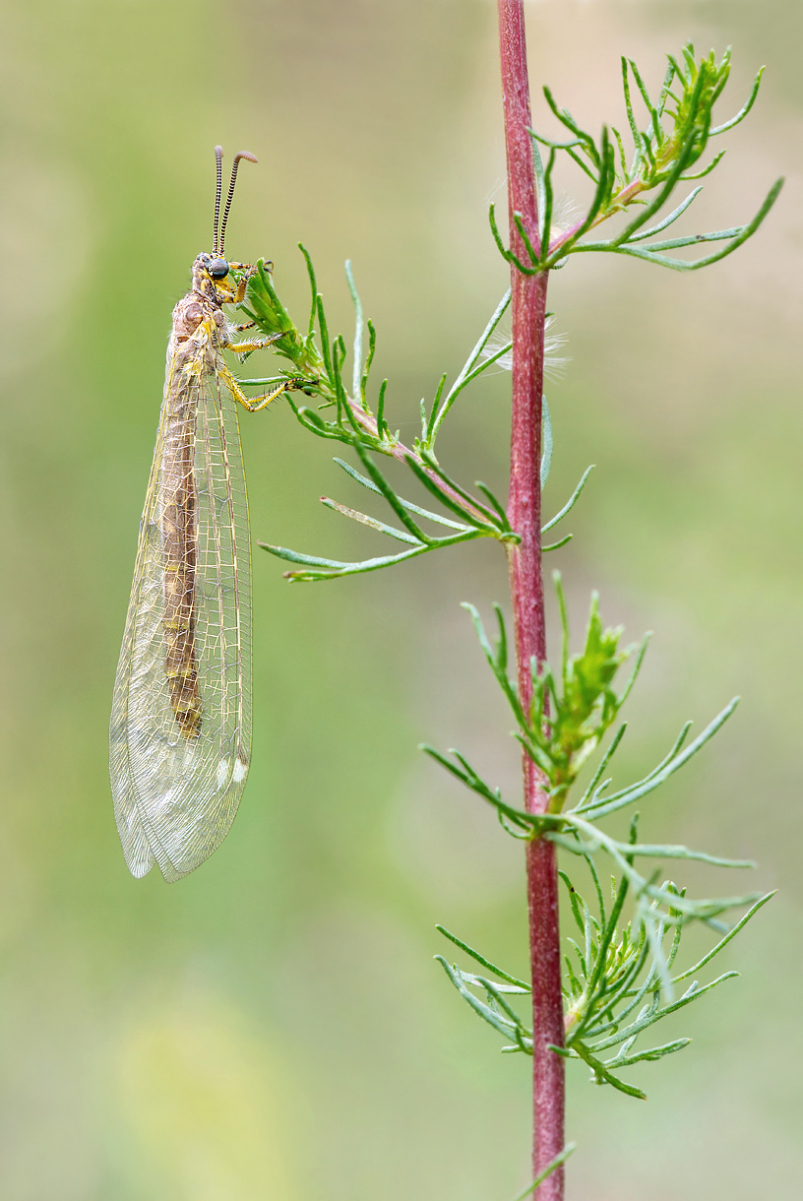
(620, 973)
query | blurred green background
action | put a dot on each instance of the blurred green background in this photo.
(274, 1026)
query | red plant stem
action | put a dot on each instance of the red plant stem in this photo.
(527, 594)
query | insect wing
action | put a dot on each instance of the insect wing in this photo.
(176, 792)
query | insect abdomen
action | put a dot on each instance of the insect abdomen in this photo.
(180, 552)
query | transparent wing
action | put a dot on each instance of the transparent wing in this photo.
(176, 780)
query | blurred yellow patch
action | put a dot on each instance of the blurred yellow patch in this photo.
(203, 1104)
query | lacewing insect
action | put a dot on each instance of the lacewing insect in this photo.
(180, 733)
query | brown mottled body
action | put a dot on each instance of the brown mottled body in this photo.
(179, 503)
(200, 331)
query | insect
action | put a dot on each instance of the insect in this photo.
(180, 731)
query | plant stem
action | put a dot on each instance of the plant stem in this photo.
(527, 594)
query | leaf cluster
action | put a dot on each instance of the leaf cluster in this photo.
(621, 981)
(567, 716)
(615, 987)
(316, 365)
(676, 136)
(559, 744)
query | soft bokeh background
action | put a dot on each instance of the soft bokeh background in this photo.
(274, 1026)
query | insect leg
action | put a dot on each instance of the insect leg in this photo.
(259, 402)
(254, 344)
(250, 268)
(243, 283)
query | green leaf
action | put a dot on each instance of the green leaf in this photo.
(571, 501)
(366, 483)
(364, 519)
(627, 796)
(458, 942)
(603, 1076)
(668, 220)
(556, 545)
(626, 1061)
(743, 111)
(470, 371)
(331, 569)
(548, 1170)
(723, 942)
(503, 1024)
(692, 994)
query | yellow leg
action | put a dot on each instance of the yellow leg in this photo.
(253, 344)
(258, 402)
(242, 285)
(249, 267)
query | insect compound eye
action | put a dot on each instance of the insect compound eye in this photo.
(218, 268)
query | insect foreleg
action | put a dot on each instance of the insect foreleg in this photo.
(242, 284)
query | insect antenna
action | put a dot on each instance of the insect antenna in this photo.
(252, 159)
(218, 193)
